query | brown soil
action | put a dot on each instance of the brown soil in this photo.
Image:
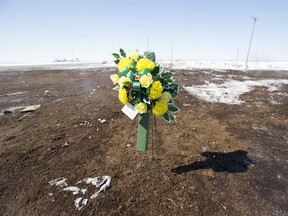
(217, 159)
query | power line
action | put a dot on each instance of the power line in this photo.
(255, 19)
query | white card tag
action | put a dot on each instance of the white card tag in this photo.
(128, 109)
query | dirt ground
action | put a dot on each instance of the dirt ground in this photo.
(217, 159)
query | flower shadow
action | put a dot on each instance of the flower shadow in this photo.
(231, 162)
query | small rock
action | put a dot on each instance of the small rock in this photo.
(66, 144)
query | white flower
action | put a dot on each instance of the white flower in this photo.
(134, 55)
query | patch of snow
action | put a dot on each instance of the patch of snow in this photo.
(230, 91)
(55, 66)
(185, 65)
(226, 65)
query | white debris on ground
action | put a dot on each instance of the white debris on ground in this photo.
(102, 120)
(229, 92)
(75, 190)
(61, 182)
(80, 203)
(103, 183)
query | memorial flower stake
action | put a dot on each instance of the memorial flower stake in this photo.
(145, 87)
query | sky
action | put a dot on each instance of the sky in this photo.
(45, 30)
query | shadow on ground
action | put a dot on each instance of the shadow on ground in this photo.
(231, 162)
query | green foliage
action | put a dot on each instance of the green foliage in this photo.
(156, 70)
(169, 117)
(116, 55)
(173, 108)
(135, 101)
(168, 77)
(150, 55)
(146, 99)
(122, 53)
(166, 117)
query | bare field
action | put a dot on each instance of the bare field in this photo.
(217, 159)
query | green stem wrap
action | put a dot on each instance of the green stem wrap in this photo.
(144, 119)
(123, 72)
(136, 85)
(143, 132)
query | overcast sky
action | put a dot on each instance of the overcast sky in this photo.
(43, 30)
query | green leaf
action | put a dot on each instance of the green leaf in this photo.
(135, 101)
(166, 117)
(173, 94)
(175, 87)
(150, 55)
(167, 75)
(116, 61)
(116, 55)
(156, 70)
(146, 99)
(173, 109)
(128, 84)
(122, 52)
(133, 66)
(172, 118)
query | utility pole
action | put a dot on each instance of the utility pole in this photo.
(255, 19)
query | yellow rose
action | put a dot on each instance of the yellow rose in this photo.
(123, 96)
(156, 90)
(114, 78)
(146, 80)
(125, 62)
(160, 108)
(134, 55)
(145, 63)
(124, 81)
(141, 107)
(165, 97)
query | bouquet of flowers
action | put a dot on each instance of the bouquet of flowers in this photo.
(145, 85)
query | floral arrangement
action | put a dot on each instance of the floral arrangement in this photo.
(145, 85)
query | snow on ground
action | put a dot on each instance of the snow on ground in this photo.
(187, 65)
(56, 66)
(226, 65)
(229, 92)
